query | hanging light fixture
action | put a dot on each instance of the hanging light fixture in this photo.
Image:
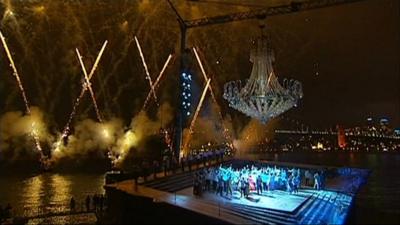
(262, 96)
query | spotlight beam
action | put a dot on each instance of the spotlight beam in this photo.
(73, 112)
(89, 86)
(188, 137)
(227, 136)
(155, 85)
(21, 87)
(146, 69)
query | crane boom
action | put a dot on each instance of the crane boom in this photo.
(292, 7)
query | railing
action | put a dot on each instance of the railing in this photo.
(53, 211)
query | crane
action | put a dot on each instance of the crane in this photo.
(260, 14)
(292, 7)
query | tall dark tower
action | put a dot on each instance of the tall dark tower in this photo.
(185, 98)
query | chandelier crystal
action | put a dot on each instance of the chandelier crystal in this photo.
(262, 96)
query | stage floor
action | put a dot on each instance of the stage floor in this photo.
(308, 206)
(275, 200)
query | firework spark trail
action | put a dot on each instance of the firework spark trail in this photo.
(227, 136)
(66, 128)
(188, 137)
(146, 70)
(89, 87)
(15, 73)
(157, 81)
(28, 110)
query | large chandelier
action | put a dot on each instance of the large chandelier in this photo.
(263, 97)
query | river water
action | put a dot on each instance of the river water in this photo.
(50, 192)
(377, 202)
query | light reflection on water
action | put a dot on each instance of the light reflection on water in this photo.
(49, 192)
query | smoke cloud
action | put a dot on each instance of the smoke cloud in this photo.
(253, 134)
(208, 127)
(141, 127)
(18, 129)
(89, 137)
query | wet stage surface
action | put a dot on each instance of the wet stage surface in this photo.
(276, 200)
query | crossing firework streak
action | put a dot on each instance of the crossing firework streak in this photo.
(157, 81)
(89, 86)
(227, 136)
(146, 69)
(66, 130)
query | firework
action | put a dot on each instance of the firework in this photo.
(66, 128)
(28, 110)
(226, 134)
(15, 73)
(146, 70)
(203, 95)
(157, 81)
(123, 146)
(89, 86)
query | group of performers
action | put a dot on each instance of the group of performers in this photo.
(225, 181)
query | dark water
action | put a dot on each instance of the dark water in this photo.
(46, 192)
(377, 202)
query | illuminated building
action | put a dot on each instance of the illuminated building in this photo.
(341, 137)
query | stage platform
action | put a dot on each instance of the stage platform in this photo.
(308, 206)
(275, 200)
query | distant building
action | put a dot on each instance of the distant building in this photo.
(384, 121)
(370, 121)
(341, 137)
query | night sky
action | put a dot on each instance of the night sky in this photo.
(347, 57)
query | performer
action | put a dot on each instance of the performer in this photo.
(229, 185)
(289, 184)
(308, 177)
(224, 180)
(252, 183)
(296, 183)
(259, 184)
(208, 179)
(247, 188)
(215, 175)
(316, 181)
(236, 180)
(220, 185)
(242, 187)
